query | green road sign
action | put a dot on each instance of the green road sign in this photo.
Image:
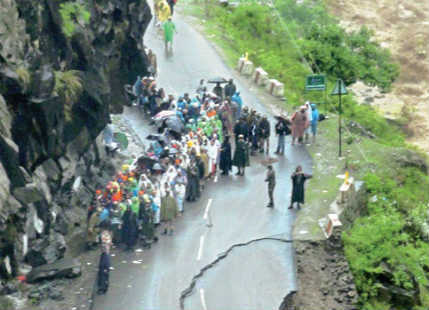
(315, 82)
(339, 88)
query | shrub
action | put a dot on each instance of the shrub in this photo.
(388, 235)
(71, 14)
(68, 85)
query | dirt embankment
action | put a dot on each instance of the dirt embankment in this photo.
(324, 278)
(403, 27)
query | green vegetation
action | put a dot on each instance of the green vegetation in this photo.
(387, 245)
(290, 41)
(68, 85)
(328, 48)
(73, 13)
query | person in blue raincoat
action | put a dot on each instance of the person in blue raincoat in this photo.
(237, 99)
(314, 121)
(181, 103)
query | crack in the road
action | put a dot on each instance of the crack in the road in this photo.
(186, 292)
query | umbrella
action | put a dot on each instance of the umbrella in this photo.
(175, 124)
(164, 114)
(146, 161)
(163, 140)
(157, 167)
(216, 80)
(121, 139)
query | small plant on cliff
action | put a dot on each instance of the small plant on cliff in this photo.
(73, 13)
(23, 75)
(68, 85)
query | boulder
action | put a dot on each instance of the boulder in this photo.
(63, 268)
(45, 291)
(46, 250)
(9, 156)
(29, 193)
(52, 170)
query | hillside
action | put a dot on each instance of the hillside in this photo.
(403, 27)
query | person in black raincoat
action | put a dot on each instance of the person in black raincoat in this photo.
(241, 155)
(193, 186)
(129, 228)
(103, 272)
(225, 163)
(230, 89)
(264, 135)
(298, 181)
(218, 90)
(241, 128)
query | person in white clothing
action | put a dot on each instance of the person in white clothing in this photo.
(180, 191)
(156, 194)
(309, 114)
(212, 152)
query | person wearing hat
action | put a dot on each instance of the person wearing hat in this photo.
(240, 155)
(271, 179)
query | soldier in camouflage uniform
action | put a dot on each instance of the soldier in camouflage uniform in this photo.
(271, 179)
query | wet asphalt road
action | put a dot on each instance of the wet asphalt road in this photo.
(256, 276)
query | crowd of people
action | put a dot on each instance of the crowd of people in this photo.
(218, 132)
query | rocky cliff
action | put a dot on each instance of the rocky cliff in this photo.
(63, 65)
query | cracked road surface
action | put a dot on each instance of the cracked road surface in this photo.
(257, 276)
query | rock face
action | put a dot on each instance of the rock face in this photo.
(48, 132)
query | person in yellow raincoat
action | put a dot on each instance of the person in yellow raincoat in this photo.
(163, 11)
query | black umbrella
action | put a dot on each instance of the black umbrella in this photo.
(146, 161)
(175, 124)
(217, 80)
(163, 140)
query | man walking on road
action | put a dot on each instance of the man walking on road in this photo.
(271, 179)
(169, 30)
